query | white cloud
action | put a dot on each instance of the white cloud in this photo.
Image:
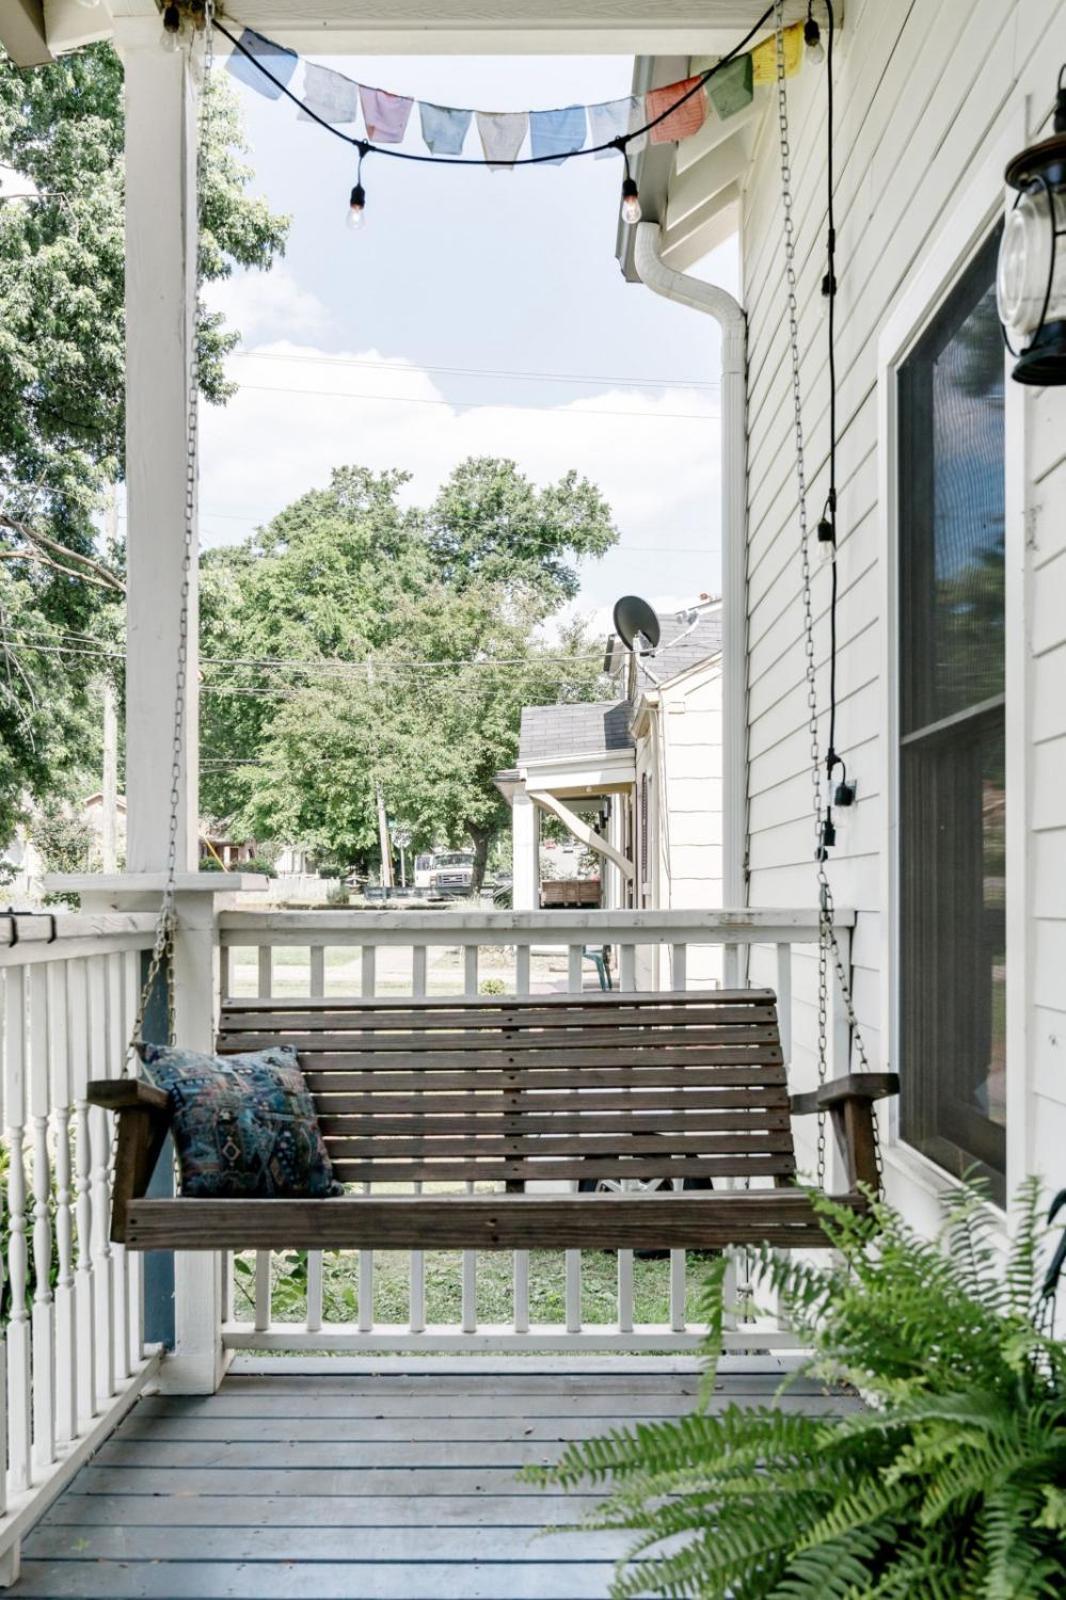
(259, 302)
(301, 411)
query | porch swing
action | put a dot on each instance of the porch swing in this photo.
(629, 1096)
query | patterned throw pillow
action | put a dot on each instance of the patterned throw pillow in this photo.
(243, 1125)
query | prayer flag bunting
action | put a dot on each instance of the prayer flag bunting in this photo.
(502, 133)
(764, 56)
(329, 94)
(613, 118)
(385, 114)
(557, 133)
(279, 62)
(443, 129)
(730, 88)
(682, 123)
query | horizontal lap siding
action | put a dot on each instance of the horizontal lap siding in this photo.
(923, 86)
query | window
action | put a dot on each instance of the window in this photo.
(951, 756)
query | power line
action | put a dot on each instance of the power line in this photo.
(479, 405)
(326, 360)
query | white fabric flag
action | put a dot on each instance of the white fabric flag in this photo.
(330, 94)
(614, 118)
(502, 133)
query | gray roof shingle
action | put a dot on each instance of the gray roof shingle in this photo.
(582, 729)
(670, 660)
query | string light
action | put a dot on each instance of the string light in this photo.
(171, 38)
(631, 212)
(357, 198)
(812, 39)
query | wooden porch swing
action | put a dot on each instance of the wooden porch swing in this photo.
(642, 1092)
(644, 1101)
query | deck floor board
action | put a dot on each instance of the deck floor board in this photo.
(390, 1486)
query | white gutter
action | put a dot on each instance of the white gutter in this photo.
(719, 304)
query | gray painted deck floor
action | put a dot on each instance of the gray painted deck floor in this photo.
(391, 1486)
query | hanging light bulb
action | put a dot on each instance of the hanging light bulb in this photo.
(357, 208)
(631, 212)
(171, 39)
(812, 38)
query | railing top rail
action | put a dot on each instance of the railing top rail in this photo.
(748, 926)
(47, 936)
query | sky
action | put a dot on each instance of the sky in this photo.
(477, 312)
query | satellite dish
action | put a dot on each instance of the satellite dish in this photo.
(635, 619)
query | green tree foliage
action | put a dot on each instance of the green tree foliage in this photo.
(948, 1485)
(399, 661)
(62, 362)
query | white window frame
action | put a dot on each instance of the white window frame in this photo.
(963, 231)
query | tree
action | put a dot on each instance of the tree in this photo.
(398, 656)
(62, 362)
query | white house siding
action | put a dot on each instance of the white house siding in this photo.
(925, 90)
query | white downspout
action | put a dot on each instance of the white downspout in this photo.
(718, 303)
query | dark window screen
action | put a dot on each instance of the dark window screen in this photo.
(951, 679)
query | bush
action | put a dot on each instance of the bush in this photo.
(492, 986)
(950, 1486)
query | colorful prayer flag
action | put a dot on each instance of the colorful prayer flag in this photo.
(613, 118)
(329, 94)
(689, 116)
(280, 63)
(764, 56)
(385, 114)
(443, 128)
(557, 133)
(729, 89)
(502, 133)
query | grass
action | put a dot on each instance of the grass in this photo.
(443, 1287)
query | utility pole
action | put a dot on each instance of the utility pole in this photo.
(387, 879)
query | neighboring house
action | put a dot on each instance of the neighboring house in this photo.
(951, 563)
(637, 780)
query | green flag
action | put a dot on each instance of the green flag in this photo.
(730, 89)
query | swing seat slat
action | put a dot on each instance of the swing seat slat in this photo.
(663, 1096)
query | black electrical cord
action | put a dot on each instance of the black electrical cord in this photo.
(367, 147)
(832, 760)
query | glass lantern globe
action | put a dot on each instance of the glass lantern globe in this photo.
(1031, 276)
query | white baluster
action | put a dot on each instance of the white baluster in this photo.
(417, 1297)
(366, 1257)
(84, 1272)
(318, 970)
(521, 1257)
(679, 967)
(262, 1290)
(627, 968)
(784, 1000)
(6, 980)
(65, 1321)
(315, 1281)
(132, 1260)
(731, 966)
(575, 958)
(18, 1331)
(574, 982)
(369, 971)
(469, 1289)
(43, 1324)
(116, 1060)
(100, 1146)
(677, 1279)
(265, 975)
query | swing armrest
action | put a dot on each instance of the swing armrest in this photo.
(849, 1102)
(143, 1124)
(855, 1086)
(127, 1094)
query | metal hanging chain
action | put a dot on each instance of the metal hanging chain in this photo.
(162, 957)
(829, 952)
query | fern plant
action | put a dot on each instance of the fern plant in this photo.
(949, 1485)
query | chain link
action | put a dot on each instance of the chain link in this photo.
(162, 957)
(829, 951)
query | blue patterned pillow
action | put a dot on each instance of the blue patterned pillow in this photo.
(244, 1126)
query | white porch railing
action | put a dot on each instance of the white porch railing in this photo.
(567, 1301)
(72, 1355)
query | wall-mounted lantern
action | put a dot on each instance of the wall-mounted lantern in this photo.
(1031, 280)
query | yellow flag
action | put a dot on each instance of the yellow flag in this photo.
(764, 56)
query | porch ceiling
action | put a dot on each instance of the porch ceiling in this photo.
(455, 27)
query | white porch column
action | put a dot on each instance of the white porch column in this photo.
(161, 236)
(162, 95)
(525, 837)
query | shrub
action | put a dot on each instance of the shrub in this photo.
(951, 1485)
(492, 986)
